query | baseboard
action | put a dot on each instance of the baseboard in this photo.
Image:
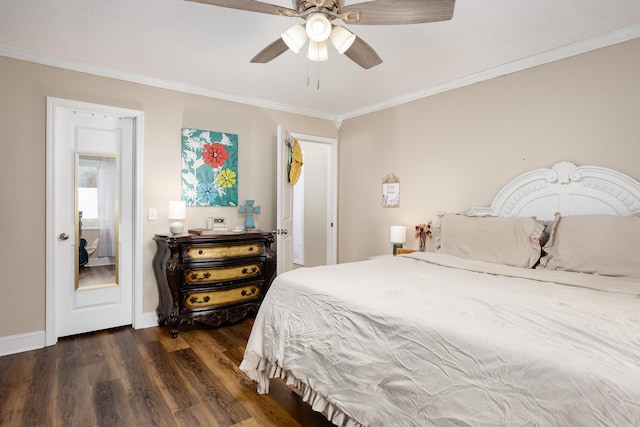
(34, 340)
(21, 342)
(149, 319)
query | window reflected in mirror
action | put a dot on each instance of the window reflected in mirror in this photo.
(97, 219)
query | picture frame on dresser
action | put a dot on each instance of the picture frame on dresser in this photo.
(212, 278)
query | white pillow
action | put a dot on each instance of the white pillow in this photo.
(511, 241)
(602, 244)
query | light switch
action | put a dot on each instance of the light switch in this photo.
(153, 214)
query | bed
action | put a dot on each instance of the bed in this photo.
(528, 313)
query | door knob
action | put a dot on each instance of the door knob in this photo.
(64, 236)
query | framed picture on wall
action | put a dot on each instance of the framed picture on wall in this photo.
(391, 192)
(209, 168)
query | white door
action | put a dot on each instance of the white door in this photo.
(75, 136)
(284, 209)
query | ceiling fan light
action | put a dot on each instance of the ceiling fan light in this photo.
(318, 27)
(295, 37)
(317, 51)
(342, 38)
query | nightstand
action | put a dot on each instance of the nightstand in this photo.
(404, 251)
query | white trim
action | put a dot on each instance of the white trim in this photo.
(52, 105)
(22, 342)
(148, 319)
(583, 46)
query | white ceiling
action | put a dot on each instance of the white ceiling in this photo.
(205, 49)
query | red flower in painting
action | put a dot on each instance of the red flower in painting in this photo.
(215, 154)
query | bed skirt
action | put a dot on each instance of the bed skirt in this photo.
(262, 370)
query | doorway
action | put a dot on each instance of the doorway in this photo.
(284, 231)
(94, 158)
(312, 218)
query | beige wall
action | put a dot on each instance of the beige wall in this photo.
(455, 150)
(23, 90)
(451, 151)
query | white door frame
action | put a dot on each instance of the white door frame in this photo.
(138, 116)
(332, 196)
(332, 203)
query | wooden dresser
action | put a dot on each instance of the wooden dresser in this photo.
(212, 278)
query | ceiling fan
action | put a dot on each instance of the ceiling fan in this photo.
(318, 28)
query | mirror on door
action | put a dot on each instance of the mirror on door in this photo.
(96, 221)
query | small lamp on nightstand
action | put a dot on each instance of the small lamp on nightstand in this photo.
(177, 211)
(398, 235)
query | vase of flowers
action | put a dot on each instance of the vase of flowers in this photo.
(423, 231)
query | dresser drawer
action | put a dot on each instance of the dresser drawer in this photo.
(213, 298)
(197, 276)
(195, 253)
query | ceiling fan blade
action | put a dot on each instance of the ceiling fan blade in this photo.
(363, 54)
(396, 12)
(270, 52)
(250, 5)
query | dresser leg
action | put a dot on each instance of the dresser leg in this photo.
(174, 323)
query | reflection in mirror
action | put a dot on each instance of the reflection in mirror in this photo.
(96, 224)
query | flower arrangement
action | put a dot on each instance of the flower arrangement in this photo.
(422, 232)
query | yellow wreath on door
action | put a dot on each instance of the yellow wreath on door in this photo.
(296, 163)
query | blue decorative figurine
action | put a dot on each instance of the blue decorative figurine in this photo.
(249, 209)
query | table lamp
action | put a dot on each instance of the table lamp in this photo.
(177, 211)
(398, 236)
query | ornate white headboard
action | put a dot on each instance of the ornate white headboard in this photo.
(568, 189)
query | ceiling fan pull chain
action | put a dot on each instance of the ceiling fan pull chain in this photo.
(318, 84)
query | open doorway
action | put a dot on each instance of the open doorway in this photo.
(313, 203)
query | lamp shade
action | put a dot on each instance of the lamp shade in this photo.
(342, 38)
(317, 51)
(177, 210)
(318, 27)
(398, 234)
(295, 37)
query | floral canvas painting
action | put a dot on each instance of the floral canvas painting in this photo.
(209, 168)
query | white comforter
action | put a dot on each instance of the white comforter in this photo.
(401, 341)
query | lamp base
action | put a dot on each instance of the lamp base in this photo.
(396, 246)
(176, 227)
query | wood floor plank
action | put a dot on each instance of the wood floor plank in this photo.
(15, 373)
(167, 375)
(146, 400)
(108, 398)
(262, 407)
(38, 403)
(212, 391)
(196, 415)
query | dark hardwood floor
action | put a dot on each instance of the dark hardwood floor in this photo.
(127, 377)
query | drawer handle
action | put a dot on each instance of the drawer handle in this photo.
(195, 276)
(200, 252)
(194, 300)
(246, 293)
(252, 270)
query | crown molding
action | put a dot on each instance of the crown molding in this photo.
(68, 64)
(583, 46)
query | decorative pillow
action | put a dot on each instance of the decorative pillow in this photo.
(602, 244)
(511, 241)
